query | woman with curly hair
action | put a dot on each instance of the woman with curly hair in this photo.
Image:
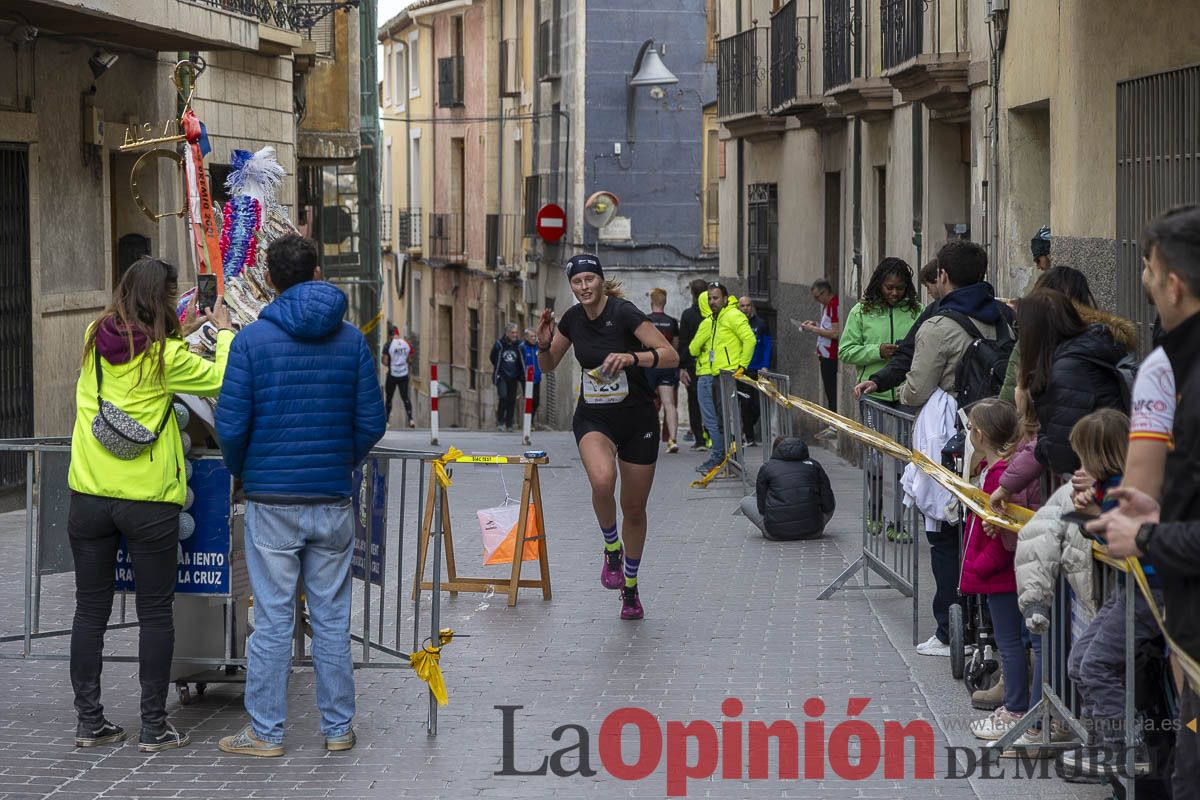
(888, 309)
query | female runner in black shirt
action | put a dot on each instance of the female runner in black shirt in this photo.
(616, 426)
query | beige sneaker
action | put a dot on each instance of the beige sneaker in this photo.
(245, 743)
(1000, 722)
(344, 742)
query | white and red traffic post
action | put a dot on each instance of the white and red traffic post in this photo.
(433, 403)
(528, 421)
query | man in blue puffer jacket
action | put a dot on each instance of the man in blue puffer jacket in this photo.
(300, 408)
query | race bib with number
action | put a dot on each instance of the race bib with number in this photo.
(597, 391)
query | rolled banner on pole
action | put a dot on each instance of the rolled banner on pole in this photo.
(205, 236)
(528, 421)
(433, 404)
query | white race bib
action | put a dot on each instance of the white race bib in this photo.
(596, 391)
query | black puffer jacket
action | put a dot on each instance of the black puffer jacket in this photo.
(1083, 378)
(794, 494)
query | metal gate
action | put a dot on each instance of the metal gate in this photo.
(1158, 166)
(16, 312)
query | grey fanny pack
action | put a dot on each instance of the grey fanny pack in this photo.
(120, 434)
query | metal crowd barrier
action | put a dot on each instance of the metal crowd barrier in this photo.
(1060, 698)
(380, 590)
(730, 408)
(773, 419)
(891, 532)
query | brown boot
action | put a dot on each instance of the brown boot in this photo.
(989, 699)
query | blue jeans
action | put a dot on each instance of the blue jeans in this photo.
(287, 544)
(707, 388)
(1008, 625)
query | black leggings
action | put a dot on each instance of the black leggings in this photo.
(94, 526)
(394, 383)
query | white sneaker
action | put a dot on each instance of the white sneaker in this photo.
(933, 647)
(995, 725)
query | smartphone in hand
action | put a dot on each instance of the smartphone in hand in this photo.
(1079, 518)
(206, 292)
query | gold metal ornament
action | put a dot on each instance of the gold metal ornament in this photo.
(159, 152)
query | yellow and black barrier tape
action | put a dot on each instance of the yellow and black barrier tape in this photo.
(970, 496)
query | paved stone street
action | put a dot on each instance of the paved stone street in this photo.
(728, 615)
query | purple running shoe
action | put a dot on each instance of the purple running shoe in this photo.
(631, 606)
(612, 574)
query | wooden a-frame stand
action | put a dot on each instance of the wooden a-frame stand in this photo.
(531, 492)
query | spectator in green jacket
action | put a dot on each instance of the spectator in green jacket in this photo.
(888, 309)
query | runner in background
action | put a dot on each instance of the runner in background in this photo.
(396, 358)
(615, 424)
(665, 381)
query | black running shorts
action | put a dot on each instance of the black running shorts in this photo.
(633, 429)
(662, 377)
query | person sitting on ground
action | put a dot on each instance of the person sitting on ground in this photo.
(792, 499)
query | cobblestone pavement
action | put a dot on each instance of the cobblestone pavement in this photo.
(728, 615)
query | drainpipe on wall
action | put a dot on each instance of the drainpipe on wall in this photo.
(998, 19)
(918, 179)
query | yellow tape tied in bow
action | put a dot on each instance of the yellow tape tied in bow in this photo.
(439, 466)
(425, 662)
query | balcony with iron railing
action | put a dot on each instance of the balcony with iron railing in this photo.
(293, 15)
(447, 234)
(924, 52)
(846, 34)
(743, 84)
(408, 230)
(385, 227)
(793, 82)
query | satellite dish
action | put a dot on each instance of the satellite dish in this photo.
(600, 209)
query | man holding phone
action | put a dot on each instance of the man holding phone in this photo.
(1169, 534)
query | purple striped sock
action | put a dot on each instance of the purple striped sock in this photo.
(610, 535)
(631, 570)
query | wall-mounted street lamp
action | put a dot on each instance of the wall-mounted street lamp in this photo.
(648, 70)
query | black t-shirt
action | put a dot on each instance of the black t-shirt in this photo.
(595, 339)
(667, 325)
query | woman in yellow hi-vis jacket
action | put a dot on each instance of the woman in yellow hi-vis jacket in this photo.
(128, 477)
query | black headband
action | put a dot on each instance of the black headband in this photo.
(584, 262)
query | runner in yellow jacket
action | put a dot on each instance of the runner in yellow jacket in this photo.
(723, 342)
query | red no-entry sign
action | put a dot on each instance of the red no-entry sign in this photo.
(551, 222)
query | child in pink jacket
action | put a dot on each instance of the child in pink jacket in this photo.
(996, 433)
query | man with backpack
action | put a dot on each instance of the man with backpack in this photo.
(963, 350)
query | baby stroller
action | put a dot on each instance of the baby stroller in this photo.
(973, 654)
